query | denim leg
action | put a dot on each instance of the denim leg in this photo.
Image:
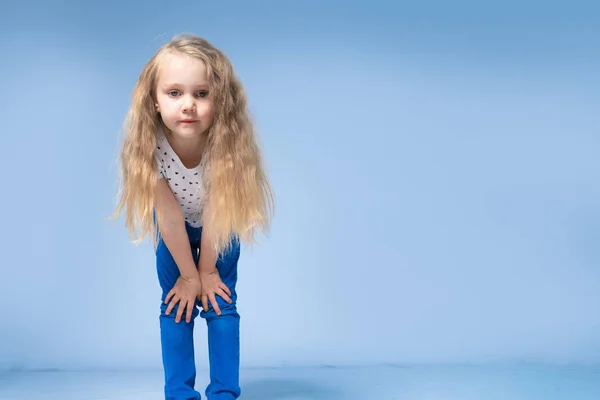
(223, 353)
(224, 335)
(177, 339)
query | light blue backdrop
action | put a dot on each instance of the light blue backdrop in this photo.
(435, 167)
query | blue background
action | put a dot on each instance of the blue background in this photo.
(435, 169)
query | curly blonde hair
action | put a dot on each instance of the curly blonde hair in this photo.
(239, 199)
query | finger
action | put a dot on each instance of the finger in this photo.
(171, 305)
(213, 301)
(169, 295)
(205, 303)
(225, 288)
(190, 308)
(180, 311)
(224, 296)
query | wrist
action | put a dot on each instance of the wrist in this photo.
(206, 266)
(190, 275)
(206, 271)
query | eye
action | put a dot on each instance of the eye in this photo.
(173, 93)
(203, 93)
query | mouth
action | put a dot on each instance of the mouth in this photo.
(187, 121)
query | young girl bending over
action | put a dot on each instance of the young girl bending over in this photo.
(192, 177)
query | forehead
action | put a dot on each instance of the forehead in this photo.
(178, 68)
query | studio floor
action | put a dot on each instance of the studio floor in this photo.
(424, 382)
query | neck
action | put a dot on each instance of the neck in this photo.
(189, 150)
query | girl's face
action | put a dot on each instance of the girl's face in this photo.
(182, 96)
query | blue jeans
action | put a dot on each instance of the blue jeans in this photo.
(177, 340)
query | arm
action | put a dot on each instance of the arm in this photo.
(208, 272)
(171, 224)
(207, 263)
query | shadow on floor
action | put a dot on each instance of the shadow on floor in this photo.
(283, 389)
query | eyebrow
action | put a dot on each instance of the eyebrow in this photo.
(171, 84)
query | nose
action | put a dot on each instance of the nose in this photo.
(189, 104)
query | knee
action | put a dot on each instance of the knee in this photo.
(228, 312)
(173, 313)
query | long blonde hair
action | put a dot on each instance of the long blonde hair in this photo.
(239, 198)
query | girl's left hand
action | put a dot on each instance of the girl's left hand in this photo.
(212, 286)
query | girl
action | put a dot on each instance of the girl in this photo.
(192, 177)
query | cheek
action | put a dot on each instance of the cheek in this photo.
(206, 111)
(166, 108)
(160, 105)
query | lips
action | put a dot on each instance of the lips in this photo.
(188, 121)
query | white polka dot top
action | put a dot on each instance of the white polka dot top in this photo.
(185, 183)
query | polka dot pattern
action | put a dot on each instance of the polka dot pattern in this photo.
(186, 183)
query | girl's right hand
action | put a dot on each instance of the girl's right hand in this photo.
(185, 292)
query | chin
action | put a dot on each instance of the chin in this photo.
(187, 134)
